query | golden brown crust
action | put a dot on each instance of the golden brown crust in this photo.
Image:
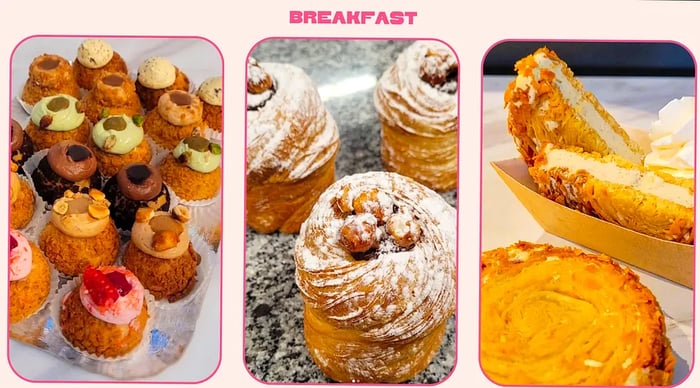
(48, 82)
(109, 164)
(149, 97)
(559, 316)
(283, 206)
(115, 100)
(45, 138)
(22, 210)
(95, 336)
(27, 295)
(168, 135)
(86, 77)
(187, 183)
(164, 278)
(211, 115)
(71, 255)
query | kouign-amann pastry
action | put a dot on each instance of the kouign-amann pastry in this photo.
(160, 253)
(114, 93)
(193, 169)
(67, 165)
(416, 100)
(94, 57)
(375, 264)
(21, 200)
(30, 277)
(618, 191)
(558, 316)
(547, 104)
(49, 75)
(80, 233)
(156, 75)
(178, 115)
(135, 186)
(106, 313)
(21, 145)
(211, 92)
(118, 140)
(56, 118)
(292, 142)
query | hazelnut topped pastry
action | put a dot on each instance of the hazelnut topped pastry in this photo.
(94, 57)
(416, 100)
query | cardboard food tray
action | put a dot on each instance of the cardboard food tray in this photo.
(670, 260)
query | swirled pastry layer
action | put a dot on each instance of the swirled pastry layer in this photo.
(375, 264)
(290, 133)
(559, 316)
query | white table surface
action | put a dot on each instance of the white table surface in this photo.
(199, 59)
(634, 102)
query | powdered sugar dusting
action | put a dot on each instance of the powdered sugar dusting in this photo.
(293, 134)
(401, 293)
(403, 99)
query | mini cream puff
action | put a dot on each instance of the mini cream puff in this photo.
(30, 277)
(57, 118)
(156, 75)
(21, 200)
(211, 92)
(179, 115)
(114, 93)
(118, 140)
(193, 169)
(49, 75)
(94, 57)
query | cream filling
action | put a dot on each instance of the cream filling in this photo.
(585, 109)
(646, 182)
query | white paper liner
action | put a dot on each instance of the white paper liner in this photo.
(158, 152)
(205, 216)
(32, 163)
(213, 135)
(26, 107)
(26, 328)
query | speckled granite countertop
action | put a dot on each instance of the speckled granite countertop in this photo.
(274, 340)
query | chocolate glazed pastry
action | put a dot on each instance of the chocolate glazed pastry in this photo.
(66, 165)
(135, 186)
(21, 145)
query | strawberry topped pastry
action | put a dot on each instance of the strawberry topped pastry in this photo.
(106, 314)
(30, 277)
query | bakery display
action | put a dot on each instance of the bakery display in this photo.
(95, 57)
(118, 140)
(193, 169)
(211, 92)
(616, 190)
(49, 75)
(292, 143)
(30, 277)
(156, 76)
(559, 316)
(161, 254)
(546, 103)
(106, 313)
(80, 232)
(67, 165)
(416, 100)
(22, 200)
(177, 116)
(21, 146)
(57, 118)
(113, 93)
(136, 185)
(375, 265)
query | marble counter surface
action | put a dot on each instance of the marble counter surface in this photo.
(345, 73)
(634, 102)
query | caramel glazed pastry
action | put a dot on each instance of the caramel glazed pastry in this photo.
(547, 104)
(375, 264)
(114, 93)
(49, 75)
(94, 57)
(292, 142)
(611, 188)
(416, 100)
(560, 317)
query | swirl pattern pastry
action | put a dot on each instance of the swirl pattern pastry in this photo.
(292, 142)
(416, 100)
(375, 264)
(559, 316)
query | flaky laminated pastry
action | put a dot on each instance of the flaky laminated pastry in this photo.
(558, 316)
(375, 264)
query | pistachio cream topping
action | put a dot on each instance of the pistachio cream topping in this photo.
(156, 73)
(79, 214)
(211, 91)
(198, 153)
(161, 234)
(57, 113)
(117, 134)
(94, 53)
